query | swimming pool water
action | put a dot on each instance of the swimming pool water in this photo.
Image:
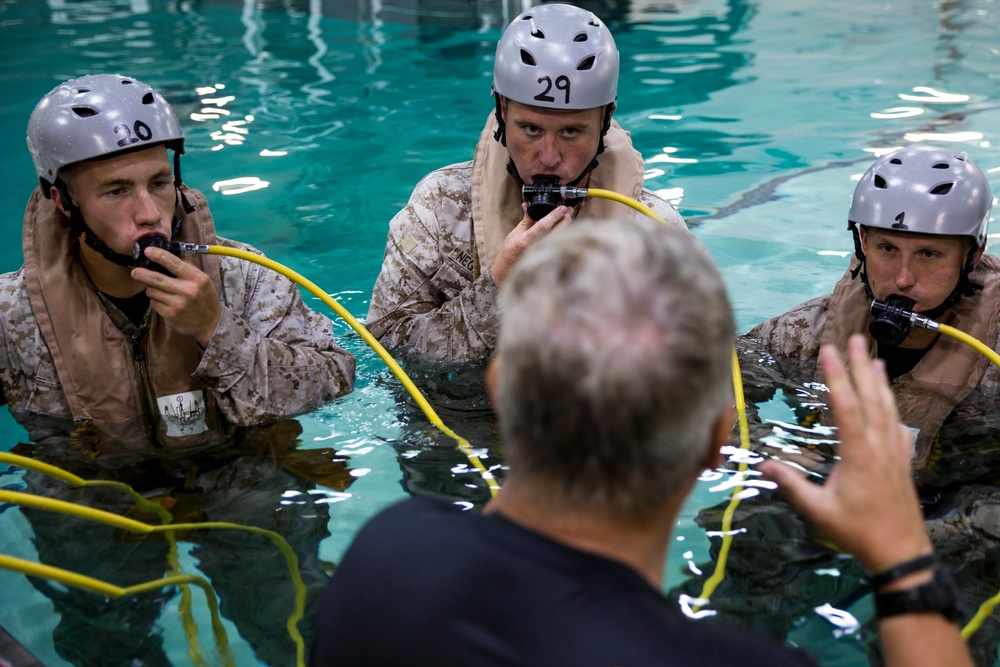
(309, 122)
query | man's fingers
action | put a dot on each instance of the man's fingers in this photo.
(847, 412)
(792, 484)
(167, 260)
(555, 216)
(870, 384)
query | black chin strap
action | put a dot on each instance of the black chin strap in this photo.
(964, 287)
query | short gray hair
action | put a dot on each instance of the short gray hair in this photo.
(615, 356)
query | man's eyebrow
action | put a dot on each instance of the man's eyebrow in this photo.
(124, 181)
(116, 182)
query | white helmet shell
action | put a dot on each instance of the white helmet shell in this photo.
(924, 189)
(95, 116)
(557, 57)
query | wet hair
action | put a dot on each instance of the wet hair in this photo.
(615, 353)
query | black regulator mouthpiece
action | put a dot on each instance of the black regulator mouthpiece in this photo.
(143, 262)
(542, 196)
(893, 320)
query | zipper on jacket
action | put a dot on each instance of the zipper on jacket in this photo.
(150, 413)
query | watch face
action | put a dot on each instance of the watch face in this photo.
(941, 595)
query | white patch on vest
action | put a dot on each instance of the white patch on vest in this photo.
(914, 432)
(184, 414)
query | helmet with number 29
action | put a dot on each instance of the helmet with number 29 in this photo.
(557, 57)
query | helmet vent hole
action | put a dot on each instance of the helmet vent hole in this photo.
(895, 160)
(586, 64)
(527, 58)
(148, 98)
(940, 165)
(535, 32)
(80, 91)
(84, 112)
(880, 182)
(942, 189)
(582, 37)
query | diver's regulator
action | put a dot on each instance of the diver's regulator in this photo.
(546, 193)
(894, 319)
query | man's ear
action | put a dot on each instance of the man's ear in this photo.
(863, 233)
(57, 200)
(979, 255)
(609, 111)
(492, 378)
(722, 428)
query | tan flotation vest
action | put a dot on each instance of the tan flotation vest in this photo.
(96, 362)
(496, 197)
(949, 371)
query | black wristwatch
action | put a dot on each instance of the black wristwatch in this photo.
(941, 595)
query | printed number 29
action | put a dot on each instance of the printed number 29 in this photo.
(142, 133)
(561, 83)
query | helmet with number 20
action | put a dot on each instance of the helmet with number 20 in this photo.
(557, 57)
(96, 116)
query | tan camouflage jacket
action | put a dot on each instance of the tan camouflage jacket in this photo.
(948, 374)
(431, 299)
(72, 364)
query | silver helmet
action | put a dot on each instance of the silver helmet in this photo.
(924, 189)
(95, 116)
(559, 57)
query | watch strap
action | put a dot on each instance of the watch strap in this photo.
(889, 575)
(940, 595)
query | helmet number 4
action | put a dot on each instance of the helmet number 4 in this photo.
(140, 129)
(561, 83)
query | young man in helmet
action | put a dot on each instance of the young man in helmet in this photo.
(450, 249)
(155, 353)
(612, 383)
(919, 218)
(169, 373)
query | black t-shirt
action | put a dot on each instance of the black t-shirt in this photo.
(900, 360)
(427, 584)
(134, 307)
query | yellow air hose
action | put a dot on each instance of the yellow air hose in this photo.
(408, 384)
(741, 414)
(100, 516)
(187, 619)
(987, 607)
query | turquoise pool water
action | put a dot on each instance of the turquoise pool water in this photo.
(308, 123)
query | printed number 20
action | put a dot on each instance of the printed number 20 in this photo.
(142, 133)
(561, 83)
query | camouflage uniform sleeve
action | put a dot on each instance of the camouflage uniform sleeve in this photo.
(426, 300)
(12, 314)
(661, 207)
(271, 356)
(795, 333)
